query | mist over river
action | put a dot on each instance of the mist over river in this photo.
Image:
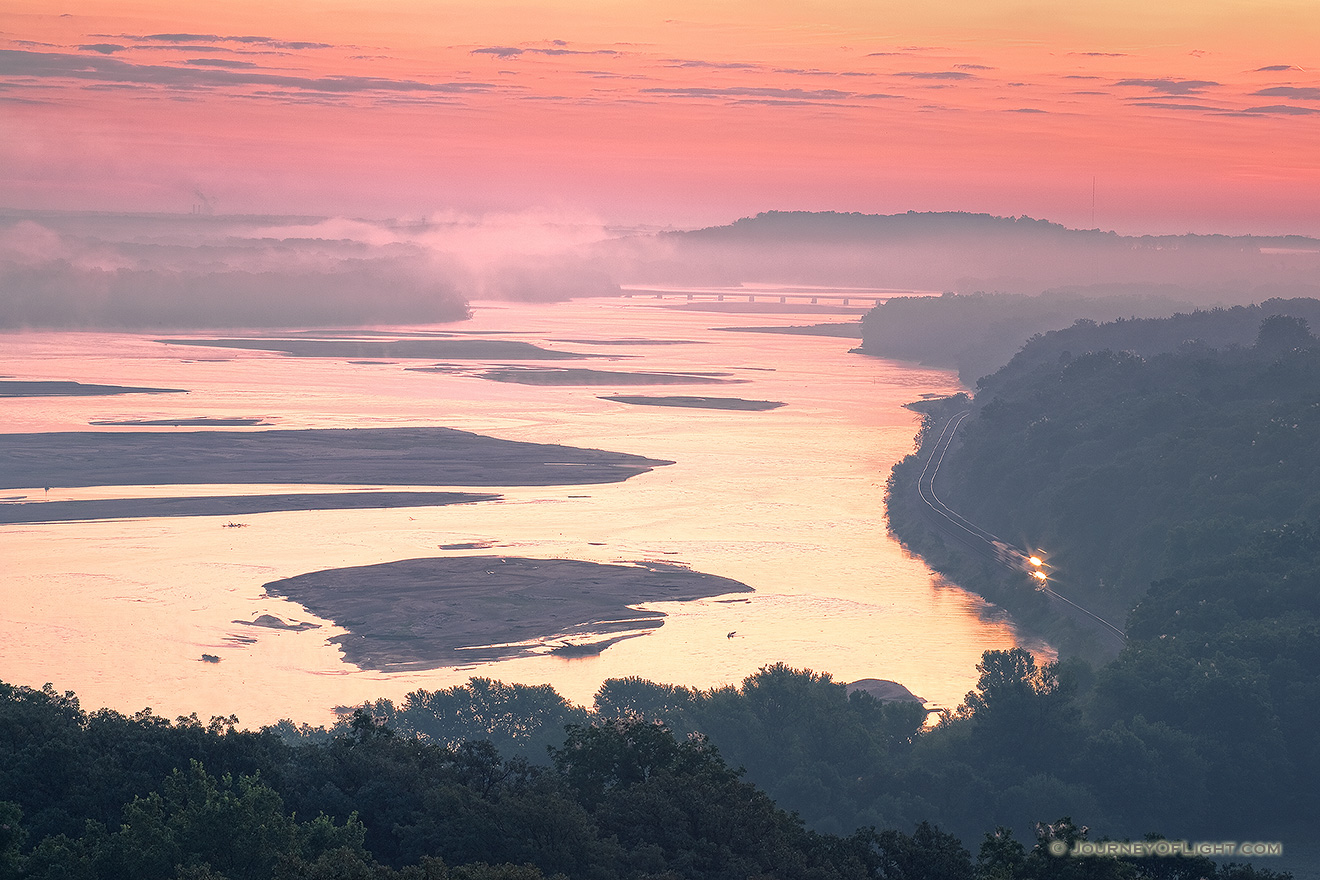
(787, 500)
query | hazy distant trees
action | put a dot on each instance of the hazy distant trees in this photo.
(978, 333)
(62, 294)
(1198, 467)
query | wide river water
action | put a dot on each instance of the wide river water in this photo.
(789, 501)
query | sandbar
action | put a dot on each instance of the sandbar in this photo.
(225, 505)
(270, 621)
(334, 456)
(441, 611)
(36, 388)
(851, 330)
(200, 422)
(731, 403)
(459, 349)
(631, 341)
(582, 376)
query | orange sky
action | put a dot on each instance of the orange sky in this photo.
(1189, 116)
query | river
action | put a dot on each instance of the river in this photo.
(788, 501)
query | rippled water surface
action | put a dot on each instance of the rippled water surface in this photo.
(788, 501)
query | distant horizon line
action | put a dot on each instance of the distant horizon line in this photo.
(620, 229)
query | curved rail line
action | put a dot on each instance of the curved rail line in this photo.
(971, 535)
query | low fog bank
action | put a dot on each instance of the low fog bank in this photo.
(142, 271)
(965, 253)
(156, 271)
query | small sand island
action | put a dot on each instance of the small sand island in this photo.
(225, 505)
(270, 621)
(631, 341)
(442, 611)
(851, 330)
(199, 422)
(582, 376)
(459, 349)
(335, 456)
(36, 388)
(733, 403)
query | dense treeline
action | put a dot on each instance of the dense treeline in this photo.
(1194, 467)
(980, 333)
(1123, 466)
(104, 795)
(101, 795)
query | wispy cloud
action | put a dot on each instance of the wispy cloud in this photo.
(576, 51)
(103, 48)
(104, 70)
(227, 63)
(717, 65)
(797, 71)
(1167, 86)
(1274, 67)
(1283, 110)
(202, 47)
(217, 38)
(936, 74)
(515, 51)
(1303, 93)
(753, 92)
(609, 74)
(1173, 105)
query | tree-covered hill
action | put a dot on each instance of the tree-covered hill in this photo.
(1173, 487)
(963, 252)
(978, 333)
(1121, 466)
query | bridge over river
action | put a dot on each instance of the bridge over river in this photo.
(864, 297)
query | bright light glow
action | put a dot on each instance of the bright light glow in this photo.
(1040, 575)
(1034, 560)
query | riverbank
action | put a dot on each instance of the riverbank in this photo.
(910, 520)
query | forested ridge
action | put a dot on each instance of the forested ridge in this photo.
(979, 333)
(1175, 492)
(1129, 448)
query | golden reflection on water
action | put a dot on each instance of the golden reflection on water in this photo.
(788, 501)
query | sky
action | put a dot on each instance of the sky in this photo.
(1142, 117)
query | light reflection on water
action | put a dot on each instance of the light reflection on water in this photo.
(788, 501)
